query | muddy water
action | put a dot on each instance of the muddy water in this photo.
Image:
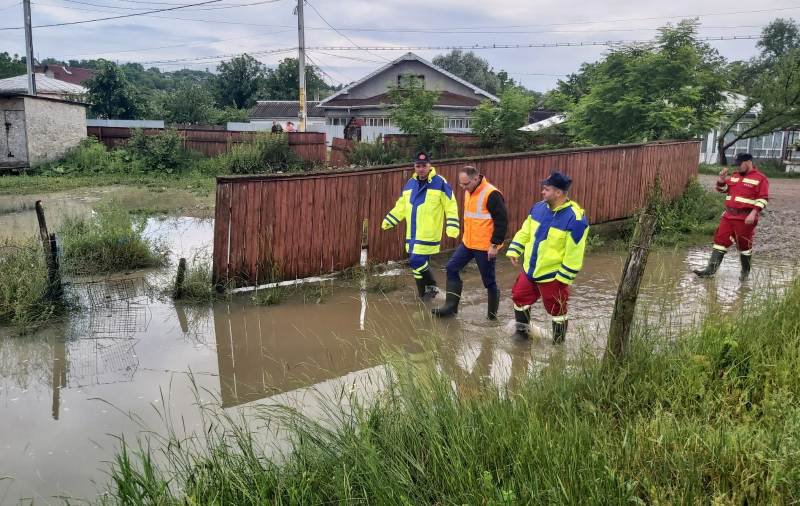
(112, 369)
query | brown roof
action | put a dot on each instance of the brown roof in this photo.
(268, 109)
(73, 75)
(446, 98)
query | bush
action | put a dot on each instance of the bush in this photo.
(695, 212)
(23, 285)
(163, 152)
(366, 154)
(110, 241)
(89, 157)
(267, 152)
(197, 287)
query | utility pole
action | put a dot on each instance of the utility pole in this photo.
(301, 79)
(26, 5)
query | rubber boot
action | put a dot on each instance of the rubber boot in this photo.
(559, 331)
(430, 290)
(494, 304)
(713, 264)
(452, 298)
(747, 262)
(523, 319)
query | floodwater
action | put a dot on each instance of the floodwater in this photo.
(67, 392)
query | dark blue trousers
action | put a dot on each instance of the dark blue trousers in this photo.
(462, 256)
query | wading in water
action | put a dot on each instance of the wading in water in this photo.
(551, 243)
(747, 192)
(485, 226)
(425, 203)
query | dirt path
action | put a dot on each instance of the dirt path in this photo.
(778, 231)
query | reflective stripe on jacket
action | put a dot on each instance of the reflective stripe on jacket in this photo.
(552, 242)
(744, 193)
(425, 205)
(478, 222)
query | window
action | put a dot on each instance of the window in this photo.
(417, 80)
(455, 123)
(378, 122)
(337, 121)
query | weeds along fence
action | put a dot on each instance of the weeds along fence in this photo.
(309, 146)
(291, 226)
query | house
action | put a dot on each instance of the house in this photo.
(283, 111)
(45, 87)
(72, 75)
(38, 129)
(366, 102)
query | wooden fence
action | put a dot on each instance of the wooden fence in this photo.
(292, 226)
(309, 146)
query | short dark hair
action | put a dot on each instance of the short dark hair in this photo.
(470, 171)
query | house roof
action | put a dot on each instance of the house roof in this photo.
(73, 75)
(267, 109)
(446, 99)
(16, 94)
(44, 85)
(408, 57)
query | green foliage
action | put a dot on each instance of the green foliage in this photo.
(163, 152)
(109, 241)
(694, 214)
(669, 89)
(90, 156)
(771, 168)
(24, 285)
(412, 112)
(473, 69)
(281, 83)
(188, 104)
(709, 418)
(497, 124)
(267, 152)
(778, 38)
(239, 81)
(112, 95)
(11, 65)
(366, 154)
(197, 287)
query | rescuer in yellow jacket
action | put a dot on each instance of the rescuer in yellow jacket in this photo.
(551, 243)
(485, 226)
(425, 203)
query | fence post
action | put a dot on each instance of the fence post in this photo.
(628, 291)
(177, 292)
(54, 288)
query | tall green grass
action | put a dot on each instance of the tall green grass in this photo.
(109, 241)
(23, 286)
(692, 216)
(710, 418)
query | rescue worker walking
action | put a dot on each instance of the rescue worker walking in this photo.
(551, 242)
(485, 226)
(425, 202)
(747, 193)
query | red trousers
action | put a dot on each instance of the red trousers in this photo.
(732, 231)
(554, 295)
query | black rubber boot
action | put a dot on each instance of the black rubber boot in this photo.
(713, 264)
(430, 291)
(420, 287)
(494, 303)
(559, 332)
(747, 262)
(523, 319)
(452, 298)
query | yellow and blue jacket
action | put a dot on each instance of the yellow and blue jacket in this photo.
(424, 205)
(552, 242)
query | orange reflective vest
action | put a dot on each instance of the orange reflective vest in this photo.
(478, 223)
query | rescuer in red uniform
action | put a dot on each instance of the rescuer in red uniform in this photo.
(747, 191)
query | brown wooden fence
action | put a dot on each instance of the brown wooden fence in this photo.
(309, 146)
(302, 225)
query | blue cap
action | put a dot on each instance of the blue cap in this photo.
(422, 157)
(558, 180)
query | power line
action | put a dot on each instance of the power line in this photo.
(336, 30)
(317, 65)
(222, 6)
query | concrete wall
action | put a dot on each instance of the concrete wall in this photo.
(13, 147)
(433, 81)
(52, 128)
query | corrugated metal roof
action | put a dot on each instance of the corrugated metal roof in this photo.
(74, 75)
(268, 109)
(44, 84)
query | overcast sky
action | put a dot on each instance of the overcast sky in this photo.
(231, 27)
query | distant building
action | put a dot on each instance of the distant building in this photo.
(283, 111)
(45, 87)
(38, 129)
(72, 75)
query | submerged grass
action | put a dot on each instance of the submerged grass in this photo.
(111, 240)
(710, 418)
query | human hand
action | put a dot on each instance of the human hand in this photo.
(514, 261)
(751, 218)
(492, 253)
(723, 174)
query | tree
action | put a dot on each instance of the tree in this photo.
(671, 88)
(282, 84)
(111, 95)
(778, 38)
(473, 69)
(11, 66)
(412, 112)
(497, 124)
(238, 82)
(190, 103)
